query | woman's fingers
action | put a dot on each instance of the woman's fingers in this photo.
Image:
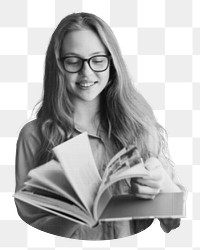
(143, 191)
(147, 182)
(152, 163)
(149, 186)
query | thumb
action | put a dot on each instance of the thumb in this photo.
(152, 163)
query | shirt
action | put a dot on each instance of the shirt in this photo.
(27, 144)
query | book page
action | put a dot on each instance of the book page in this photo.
(134, 172)
(127, 164)
(124, 159)
(77, 161)
(54, 206)
(50, 177)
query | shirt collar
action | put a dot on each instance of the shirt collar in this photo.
(79, 129)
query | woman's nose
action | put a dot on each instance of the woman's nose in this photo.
(86, 70)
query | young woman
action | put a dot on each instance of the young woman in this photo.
(87, 88)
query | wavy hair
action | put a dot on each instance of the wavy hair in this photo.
(125, 115)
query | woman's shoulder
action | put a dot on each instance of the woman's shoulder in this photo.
(30, 130)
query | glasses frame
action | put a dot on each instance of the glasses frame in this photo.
(88, 60)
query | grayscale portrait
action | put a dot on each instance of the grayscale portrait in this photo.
(104, 116)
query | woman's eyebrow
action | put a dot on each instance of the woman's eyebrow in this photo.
(79, 55)
(98, 53)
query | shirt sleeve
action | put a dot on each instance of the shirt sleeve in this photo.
(27, 146)
(169, 224)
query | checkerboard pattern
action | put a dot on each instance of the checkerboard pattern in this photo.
(160, 41)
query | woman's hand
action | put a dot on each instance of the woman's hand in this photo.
(157, 181)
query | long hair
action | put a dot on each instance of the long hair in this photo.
(125, 115)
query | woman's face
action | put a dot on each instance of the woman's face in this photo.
(85, 85)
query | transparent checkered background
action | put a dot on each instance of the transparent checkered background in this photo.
(160, 41)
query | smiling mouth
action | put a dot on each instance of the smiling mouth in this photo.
(86, 84)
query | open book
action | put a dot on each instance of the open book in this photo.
(72, 187)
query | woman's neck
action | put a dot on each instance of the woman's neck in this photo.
(86, 115)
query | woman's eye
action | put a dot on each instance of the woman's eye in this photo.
(72, 62)
(98, 61)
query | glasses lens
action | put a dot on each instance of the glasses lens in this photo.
(72, 64)
(99, 63)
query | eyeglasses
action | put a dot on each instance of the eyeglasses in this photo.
(74, 64)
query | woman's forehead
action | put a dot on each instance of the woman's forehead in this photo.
(82, 42)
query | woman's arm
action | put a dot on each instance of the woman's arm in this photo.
(169, 224)
(159, 180)
(27, 145)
